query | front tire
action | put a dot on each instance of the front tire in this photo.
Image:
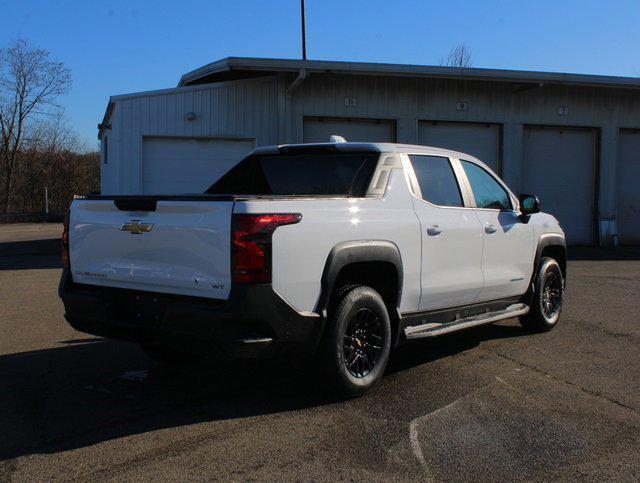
(548, 296)
(357, 342)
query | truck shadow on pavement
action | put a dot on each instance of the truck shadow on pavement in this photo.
(30, 254)
(92, 390)
(428, 350)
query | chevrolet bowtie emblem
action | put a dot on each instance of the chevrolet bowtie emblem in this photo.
(136, 228)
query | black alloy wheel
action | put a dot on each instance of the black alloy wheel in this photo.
(551, 295)
(362, 345)
(547, 298)
(357, 342)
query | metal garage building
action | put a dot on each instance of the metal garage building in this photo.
(572, 139)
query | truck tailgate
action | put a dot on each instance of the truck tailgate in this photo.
(183, 247)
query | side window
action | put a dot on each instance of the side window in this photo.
(437, 180)
(486, 190)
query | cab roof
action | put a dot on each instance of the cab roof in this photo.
(363, 146)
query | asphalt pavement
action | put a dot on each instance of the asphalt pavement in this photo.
(492, 403)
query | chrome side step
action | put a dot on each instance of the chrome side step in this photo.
(257, 340)
(435, 329)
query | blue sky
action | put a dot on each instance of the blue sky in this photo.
(115, 47)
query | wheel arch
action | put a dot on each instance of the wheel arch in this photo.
(552, 245)
(376, 263)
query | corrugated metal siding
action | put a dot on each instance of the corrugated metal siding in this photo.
(412, 99)
(262, 109)
(409, 100)
(242, 109)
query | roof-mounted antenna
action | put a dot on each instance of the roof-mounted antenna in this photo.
(337, 139)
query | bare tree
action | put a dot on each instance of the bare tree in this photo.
(30, 83)
(459, 56)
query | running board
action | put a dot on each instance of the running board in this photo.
(435, 329)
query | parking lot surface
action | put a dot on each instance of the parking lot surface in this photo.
(490, 403)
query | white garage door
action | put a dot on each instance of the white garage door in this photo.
(318, 129)
(187, 165)
(479, 140)
(559, 168)
(628, 180)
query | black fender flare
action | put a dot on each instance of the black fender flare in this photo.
(546, 240)
(346, 253)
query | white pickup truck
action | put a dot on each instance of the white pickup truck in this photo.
(339, 251)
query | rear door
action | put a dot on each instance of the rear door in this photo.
(508, 241)
(452, 237)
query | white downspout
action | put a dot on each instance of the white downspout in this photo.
(302, 75)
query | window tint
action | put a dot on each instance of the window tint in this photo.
(324, 173)
(486, 190)
(437, 180)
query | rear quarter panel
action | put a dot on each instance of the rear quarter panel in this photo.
(300, 251)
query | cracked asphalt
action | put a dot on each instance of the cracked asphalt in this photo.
(492, 403)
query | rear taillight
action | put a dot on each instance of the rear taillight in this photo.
(65, 240)
(251, 250)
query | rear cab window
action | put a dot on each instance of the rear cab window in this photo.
(300, 174)
(437, 180)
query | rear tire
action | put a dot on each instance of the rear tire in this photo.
(548, 296)
(357, 342)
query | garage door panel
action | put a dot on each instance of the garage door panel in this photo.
(196, 147)
(319, 130)
(191, 170)
(182, 165)
(477, 139)
(559, 168)
(628, 192)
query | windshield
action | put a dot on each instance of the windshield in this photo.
(326, 173)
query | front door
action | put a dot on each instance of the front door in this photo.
(507, 259)
(452, 236)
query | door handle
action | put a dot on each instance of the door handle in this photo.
(489, 229)
(434, 230)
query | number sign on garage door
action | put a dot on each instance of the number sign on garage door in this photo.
(187, 165)
(479, 140)
(628, 180)
(559, 167)
(320, 129)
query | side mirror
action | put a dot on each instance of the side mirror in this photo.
(529, 204)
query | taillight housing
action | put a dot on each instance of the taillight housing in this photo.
(251, 245)
(65, 240)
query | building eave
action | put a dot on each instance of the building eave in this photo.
(264, 65)
(106, 118)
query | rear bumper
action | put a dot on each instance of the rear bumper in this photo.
(254, 322)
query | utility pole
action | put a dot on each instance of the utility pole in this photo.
(304, 32)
